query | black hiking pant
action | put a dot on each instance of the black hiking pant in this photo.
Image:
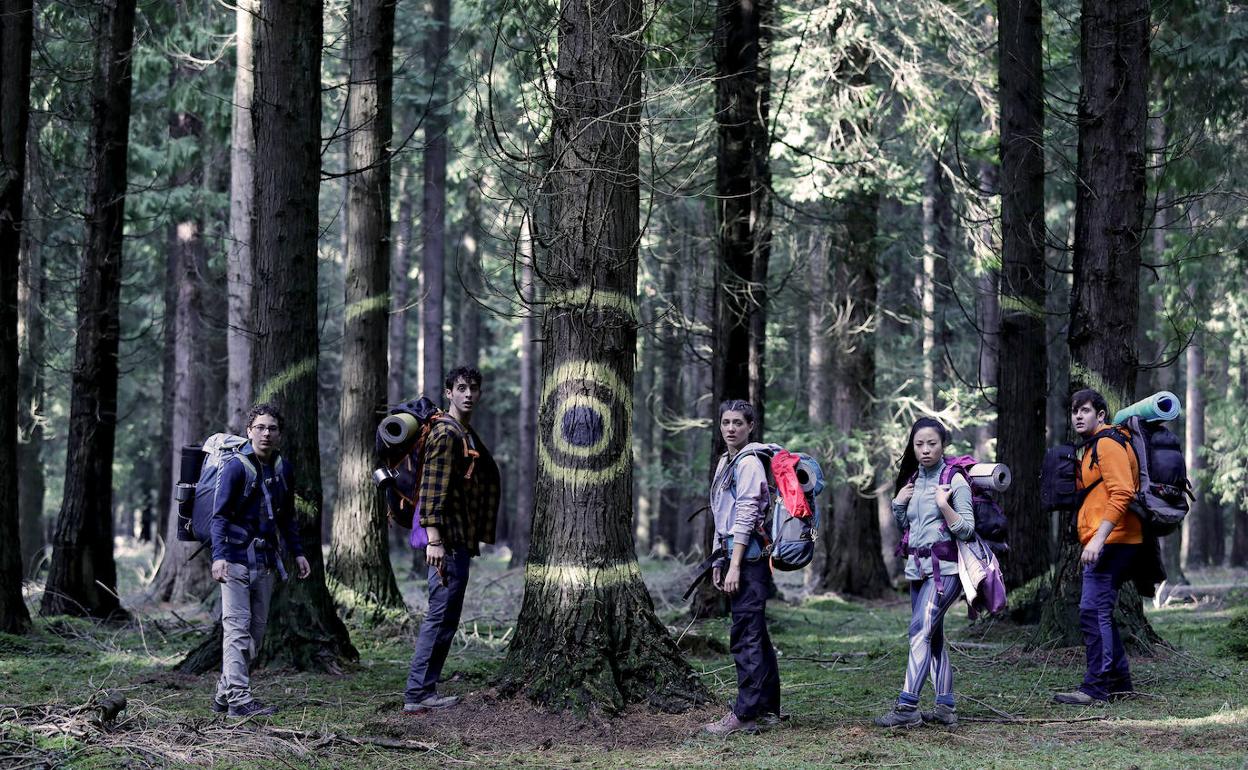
(758, 673)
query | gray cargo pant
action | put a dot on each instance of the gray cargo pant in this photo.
(244, 617)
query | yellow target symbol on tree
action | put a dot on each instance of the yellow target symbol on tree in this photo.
(586, 422)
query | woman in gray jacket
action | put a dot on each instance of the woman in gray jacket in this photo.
(931, 513)
(739, 500)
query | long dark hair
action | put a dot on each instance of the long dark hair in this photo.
(909, 460)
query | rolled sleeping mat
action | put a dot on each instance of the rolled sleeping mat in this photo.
(398, 429)
(192, 462)
(1162, 406)
(809, 475)
(994, 476)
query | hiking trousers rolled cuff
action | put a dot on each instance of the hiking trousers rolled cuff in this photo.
(1107, 668)
(758, 672)
(928, 655)
(437, 630)
(245, 598)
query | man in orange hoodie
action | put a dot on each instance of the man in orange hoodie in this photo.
(1111, 535)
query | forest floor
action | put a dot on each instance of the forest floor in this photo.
(841, 665)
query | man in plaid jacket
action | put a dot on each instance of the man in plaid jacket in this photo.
(459, 494)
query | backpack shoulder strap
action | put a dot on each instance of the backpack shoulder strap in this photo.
(1112, 433)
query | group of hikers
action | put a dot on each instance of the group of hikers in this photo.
(457, 507)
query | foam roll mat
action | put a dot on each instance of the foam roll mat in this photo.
(994, 476)
(806, 473)
(397, 428)
(1162, 406)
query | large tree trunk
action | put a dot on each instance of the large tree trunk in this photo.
(587, 635)
(851, 532)
(1109, 214)
(304, 629)
(360, 553)
(818, 392)
(15, 46)
(468, 268)
(239, 271)
(927, 276)
(83, 576)
(526, 436)
(988, 315)
(397, 386)
(433, 218)
(32, 294)
(186, 404)
(1022, 392)
(668, 528)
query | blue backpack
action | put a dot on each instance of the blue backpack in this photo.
(200, 477)
(789, 539)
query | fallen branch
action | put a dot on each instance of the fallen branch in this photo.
(324, 739)
(1032, 720)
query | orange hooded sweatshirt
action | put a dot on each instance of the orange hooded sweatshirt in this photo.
(1118, 470)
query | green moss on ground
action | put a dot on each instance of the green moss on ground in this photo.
(841, 664)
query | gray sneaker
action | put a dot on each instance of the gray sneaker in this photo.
(730, 724)
(1076, 698)
(945, 715)
(900, 716)
(434, 701)
(219, 706)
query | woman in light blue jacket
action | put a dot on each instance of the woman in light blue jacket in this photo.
(931, 515)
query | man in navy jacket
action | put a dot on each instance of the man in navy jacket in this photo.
(253, 519)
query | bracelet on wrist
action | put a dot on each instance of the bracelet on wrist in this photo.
(438, 544)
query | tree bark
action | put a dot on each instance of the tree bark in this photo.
(360, 553)
(433, 218)
(469, 269)
(239, 270)
(743, 204)
(83, 576)
(304, 630)
(32, 294)
(1109, 214)
(587, 635)
(819, 397)
(1198, 528)
(526, 436)
(988, 315)
(397, 387)
(668, 527)
(1022, 391)
(927, 296)
(851, 532)
(15, 46)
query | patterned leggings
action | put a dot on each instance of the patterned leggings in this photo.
(928, 655)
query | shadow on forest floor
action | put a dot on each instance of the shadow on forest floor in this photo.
(841, 664)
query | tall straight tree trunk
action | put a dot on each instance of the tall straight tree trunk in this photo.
(526, 436)
(185, 405)
(400, 260)
(15, 46)
(239, 271)
(1199, 530)
(587, 635)
(854, 563)
(1021, 381)
(1109, 221)
(988, 315)
(433, 218)
(83, 576)
(743, 203)
(643, 425)
(468, 264)
(818, 393)
(360, 553)
(32, 293)
(927, 298)
(670, 405)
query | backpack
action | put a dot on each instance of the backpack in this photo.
(196, 493)
(1164, 492)
(400, 446)
(791, 523)
(990, 523)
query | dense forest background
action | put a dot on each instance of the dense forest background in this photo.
(821, 192)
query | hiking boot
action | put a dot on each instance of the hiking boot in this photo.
(219, 706)
(1076, 698)
(434, 701)
(900, 716)
(252, 708)
(944, 714)
(729, 724)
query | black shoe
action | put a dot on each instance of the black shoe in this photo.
(252, 708)
(219, 707)
(1077, 698)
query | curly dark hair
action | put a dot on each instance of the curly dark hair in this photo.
(265, 408)
(469, 374)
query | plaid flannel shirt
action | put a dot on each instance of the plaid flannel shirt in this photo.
(465, 511)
